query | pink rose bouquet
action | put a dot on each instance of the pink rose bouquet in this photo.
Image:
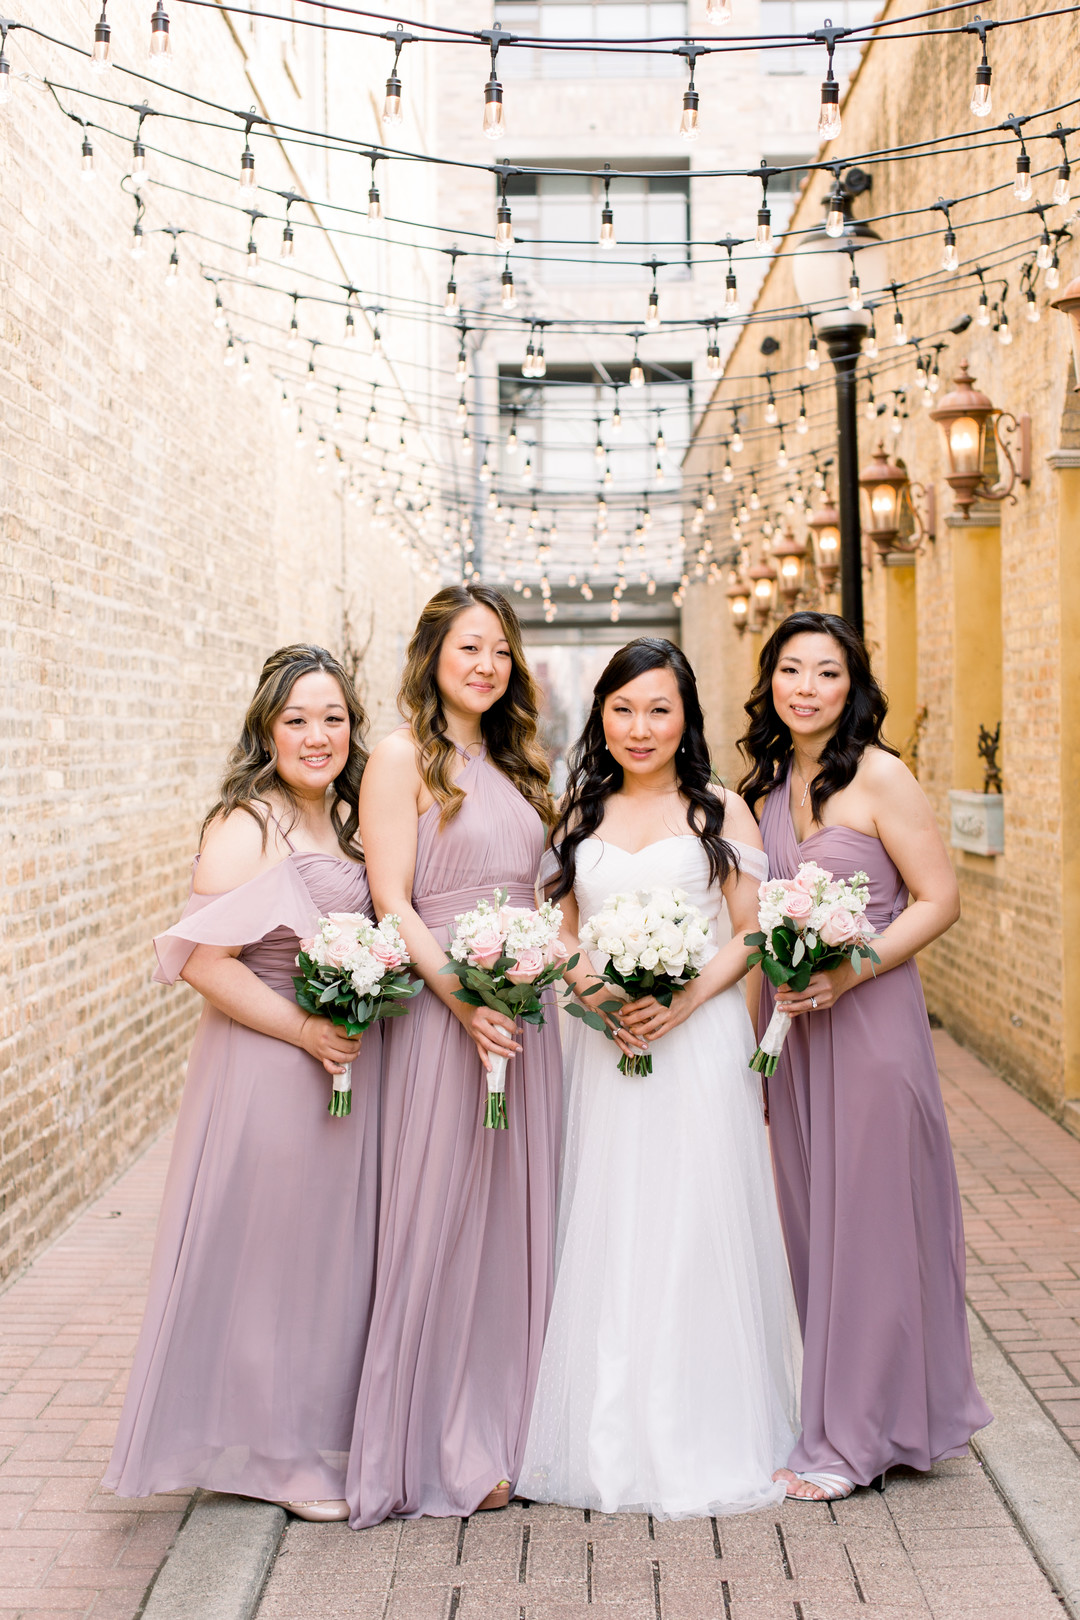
(809, 924)
(505, 956)
(354, 972)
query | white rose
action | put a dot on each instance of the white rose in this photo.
(649, 958)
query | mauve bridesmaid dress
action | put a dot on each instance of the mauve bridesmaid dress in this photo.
(869, 1201)
(467, 1215)
(248, 1363)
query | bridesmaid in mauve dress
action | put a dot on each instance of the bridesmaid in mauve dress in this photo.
(248, 1362)
(864, 1168)
(467, 1215)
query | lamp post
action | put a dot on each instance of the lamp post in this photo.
(836, 273)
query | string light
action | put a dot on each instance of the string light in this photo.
(802, 425)
(982, 314)
(1004, 330)
(160, 43)
(1033, 311)
(829, 110)
(392, 100)
(688, 122)
(1044, 257)
(508, 294)
(494, 125)
(854, 297)
(813, 356)
(504, 224)
(287, 244)
(101, 51)
(870, 343)
(713, 362)
(950, 259)
(1061, 194)
(374, 205)
(172, 272)
(87, 158)
(607, 216)
(836, 216)
(1053, 275)
(637, 371)
(138, 247)
(1022, 183)
(981, 101)
(652, 313)
(899, 330)
(247, 181)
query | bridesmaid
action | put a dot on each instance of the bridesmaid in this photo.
(453, 806)
(864, 1167)
(248, 1364)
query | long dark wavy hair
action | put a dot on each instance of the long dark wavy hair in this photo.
(510, 727)
(594, 773)
(251, 772)
(766, 743)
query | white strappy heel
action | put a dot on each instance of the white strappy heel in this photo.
(835, 1486)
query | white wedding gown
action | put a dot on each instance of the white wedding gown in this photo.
(669, 1373)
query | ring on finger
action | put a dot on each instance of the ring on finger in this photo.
(813, 1002)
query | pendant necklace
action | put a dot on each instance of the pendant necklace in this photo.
(806, 787)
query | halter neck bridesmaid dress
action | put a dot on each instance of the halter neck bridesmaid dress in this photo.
(869, 1200)
(248, 1363)
(467, 1215)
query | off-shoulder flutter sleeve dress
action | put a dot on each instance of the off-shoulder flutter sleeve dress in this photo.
(868, 1200)
(467, 1215)
(248, 1363)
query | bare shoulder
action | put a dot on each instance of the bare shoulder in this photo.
(233, 851)
(739, 821)
(394, 759)
(881, 772)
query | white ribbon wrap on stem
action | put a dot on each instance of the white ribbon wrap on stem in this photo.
(496, 1080)
(772, 1042)
(343, 1081)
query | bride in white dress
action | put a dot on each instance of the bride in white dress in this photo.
(668, 1377)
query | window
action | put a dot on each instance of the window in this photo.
(609, 20)
(784, 189)
(802, 17)
(560, 213)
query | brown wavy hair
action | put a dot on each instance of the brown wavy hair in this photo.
(510, 727)
(251, 772)
(766, 742)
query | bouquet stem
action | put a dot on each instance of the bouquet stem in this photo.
(341, 1096)
(767, 1055)
(495, 1107)
(638, 1065)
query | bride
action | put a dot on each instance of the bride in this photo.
(668, 1377)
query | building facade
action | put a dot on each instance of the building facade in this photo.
(974, 630)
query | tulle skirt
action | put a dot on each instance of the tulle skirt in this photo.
(669, 1375)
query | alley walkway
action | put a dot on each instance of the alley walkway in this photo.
(944, 1548)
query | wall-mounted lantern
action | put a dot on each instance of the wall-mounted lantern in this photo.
(738, 600)
(965, 414)
(825, 523)
(892, 519)
(789, 555)
(1069, 305)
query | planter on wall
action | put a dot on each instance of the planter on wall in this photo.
(977, 822)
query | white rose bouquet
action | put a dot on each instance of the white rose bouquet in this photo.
(809, 924)
(655, 942)
(354, 972)
(505, 956)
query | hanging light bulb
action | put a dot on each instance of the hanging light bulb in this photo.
(528, 365)
(87, 158)
(1061, 196)
(981, 101)
(828, 123)
(462, 412)
(219, 308)
(637, 372)
(1053, 275)
(736, 438)
(731, 292)
(1033, 311)
(772, 416)
(616, 416)
(504, 224)
(895, 422)
(950, 259)
(466, 445)
(512, 441)
(870, 408)
(251, 261)
(160, 43)
(854, 297)
(713, 362)
(870, 345)
(376, 341)
(509, 296)
(138, 247)
(899, 330)
(138, 157)
(540, 364)
(350, 325)
(172, 271)
(1004, 330)
(287, 244)
(763, 234)
(801, 424)
(309, 380)
(391, 110)
(229, 357)
(1044, 258)
(247, 180)
(599, 452)
(982, 314)
(718, 12)
(374, 204)
(462, 366)
(688, 123)
(652, 313)
(607, 219)
(1022, 183)
(834, 219)
(813, 357)
(101, 52)
(450, 303)
(755, 498)
(494, 121)
(728, 473)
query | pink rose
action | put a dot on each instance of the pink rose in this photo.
(388, 956)
(529, 965)
(797, 905)
(305, 946)
(839, 927)
(338, 948)
(485, 947)
(555, 951)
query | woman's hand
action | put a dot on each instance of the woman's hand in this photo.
(327, 1043)
(492, 1032)
(824, 989)
(648, 1019)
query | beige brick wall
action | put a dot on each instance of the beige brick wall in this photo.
(996, 979)
(159, 536)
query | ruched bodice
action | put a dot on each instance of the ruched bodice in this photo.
(495, 841)
(334, 884)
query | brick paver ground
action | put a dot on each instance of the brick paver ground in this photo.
(942, 1548)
